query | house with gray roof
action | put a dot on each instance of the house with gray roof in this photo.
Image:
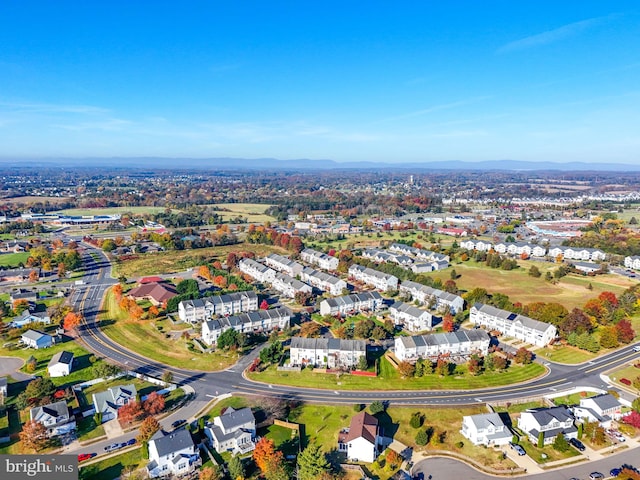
(440, 299)
(60, 364)
(256, 270)
(512, 324)
(202, 309)
(109, 401)
(486, 429)
(379, 280)
(550, 421)
(289, 286)
(632, 261)
(332, 353)
(351, 304)
(234, 431)
(36, 339)
(56, 417)
(602, 408)
(323, 260)
(283, 264)
(412, 318)
(248, 322)
(27, 318)
(461, 343)
(172, 454)
(323, 281)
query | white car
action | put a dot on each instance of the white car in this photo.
(636, 348)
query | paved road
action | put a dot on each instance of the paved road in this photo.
(10, 366)
(450, 469)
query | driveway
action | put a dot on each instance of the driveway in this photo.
(10, 366)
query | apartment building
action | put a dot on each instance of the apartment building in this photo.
(322, 260)
(425, 294)
(333, 353)
(412, 318)
(323, 281)
(461, 343)
(379, 280)
(249, 322)
(351, 304)
(256, 270)
(201, 309)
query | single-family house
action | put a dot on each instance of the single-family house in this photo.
(486, 429)
(27, 318)
(233, 431)
(60, 364)
(157, 293)
(550, 421)
(109, 401)
(56, 417)
(36, 339)
(172, 454)
(362, 441)
(602, 409)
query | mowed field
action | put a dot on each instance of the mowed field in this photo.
(179, 261)
(34, 199)
(571, 291)
(253, 212)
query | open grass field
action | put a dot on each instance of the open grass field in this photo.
(573, 399)
(389, 379)
(13, 260)
(179, 261)
(113, 467)
(374, 239)
(111, 210)
(571, 291)
(629, 372)
(143, 337)
(252, 212)
(27, 199)
(566, 354)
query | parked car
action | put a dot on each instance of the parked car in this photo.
(577, 443)
(518, 449)
(596, 476)
(615, 472)
(177, 423)
(85, 456)
(132, 441)
(113, 446)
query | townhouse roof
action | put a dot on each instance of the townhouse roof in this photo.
(341, 344)
(219, 299)
(321, 276)
(409, 309)
(353, 299)
(450, 338)
(34, 335)
(486, 420)
(513, 317)
(248, 318)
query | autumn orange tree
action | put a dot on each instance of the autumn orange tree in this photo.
(34, 276)
(154, 403)
(71, 320)
(117, 291)
(148, 428)
(448, 323)
(130, 412)
(266, 457)
(20, 305)
(34, 435)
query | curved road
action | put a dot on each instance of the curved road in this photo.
(89, 297)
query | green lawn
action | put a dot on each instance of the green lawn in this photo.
(389, 379)
(566, 354)
(88, 430)
(573, 399)
(13, 260)
(537, 454)
(111, 468)
(518, 407)
(235, 402)
(142, 387)
(629, 372)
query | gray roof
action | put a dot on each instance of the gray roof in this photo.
(219, 299)
(484, 420)
(514, 317)
(329, 344)
(409, 309)
(605, 401)
(35, 335)
(56, 410)
(3, 382)
(62, 357)
(233, 419)
(433, 339)
(371, 272)
(108, 398)
(544, 416)
(175, 441)
(353, 299)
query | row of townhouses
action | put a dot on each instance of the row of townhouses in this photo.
(327, 352)
(379, 280)
(201, 309)
(249, 322)
(459, 343)
(256, 270)
(632, 262)
(380, 256)
(418, 253)
(323, 281)
(412, 318)
(283, 264)
(289, 286)
(351, 304)
(533, 250)
(425, 294)
(322, 260)
(513, 324)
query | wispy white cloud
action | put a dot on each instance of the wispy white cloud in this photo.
(552, 36)
(433, 109)
(52, 108)
(109, 124)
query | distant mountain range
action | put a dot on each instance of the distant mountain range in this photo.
(306, 164)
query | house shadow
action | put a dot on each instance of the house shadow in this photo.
(389, 428)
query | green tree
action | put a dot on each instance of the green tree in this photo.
(560, 443)
(540, 439)
(534, 272)
(229, 339)
(363, 364)
(273, 353)
(104, 370)
(417, 419)
(236, 468)
(188, 286)
(312, 463)
(608, 337)
(422, 438)
(376, 407)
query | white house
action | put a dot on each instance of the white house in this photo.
(3, 388)
(362, 441)
(256, 270)
(425, 294)
(109, 401)
(323, 281)
(248, 322)
(577, 253)
(37, 340)
(512, 324)
(632, 262)
(602, 409)
(550, 421)
(201, 309)
(283, 264)
(413, 319)
(233, 431)
(379, 280)
(477, 245)
(351, 304)
(289, 286)
(323, 260)
(172, 453)
(587, 267)
(60, 364)
(327, 352)
(55, 416)
(486, 429)
(461, 343)
(27, 318)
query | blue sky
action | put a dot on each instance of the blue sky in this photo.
(348, 81)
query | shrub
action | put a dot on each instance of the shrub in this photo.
(422, 438)
(416, 420)
(358, 407)
(376, 407)
(460, 444)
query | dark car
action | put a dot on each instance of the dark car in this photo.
(177, 423)
(577, 443)
(615, 472)
(519, 450)
(131, 442)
